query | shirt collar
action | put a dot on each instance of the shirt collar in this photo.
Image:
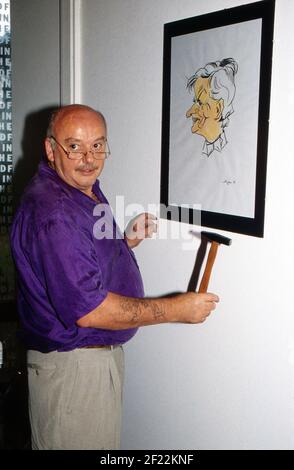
(45, 170)
(217, 145)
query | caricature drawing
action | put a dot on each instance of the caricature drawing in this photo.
(214, 91)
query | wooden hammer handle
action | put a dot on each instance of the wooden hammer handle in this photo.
(208, 268)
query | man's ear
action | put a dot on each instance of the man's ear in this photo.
(49, 149)
(219, 109)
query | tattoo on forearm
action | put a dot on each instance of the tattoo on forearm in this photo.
(158, 312)
(137, 307)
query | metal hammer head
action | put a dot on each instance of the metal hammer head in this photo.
(215, 237)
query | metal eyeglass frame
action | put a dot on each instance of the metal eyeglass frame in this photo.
(67, 153)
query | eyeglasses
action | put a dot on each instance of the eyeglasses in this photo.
(100, 150)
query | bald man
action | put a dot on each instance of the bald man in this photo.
(80, 292)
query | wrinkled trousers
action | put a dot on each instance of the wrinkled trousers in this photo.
(75, 398)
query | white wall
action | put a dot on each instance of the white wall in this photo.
(229, 383)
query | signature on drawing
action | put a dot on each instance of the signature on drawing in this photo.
(229, 182)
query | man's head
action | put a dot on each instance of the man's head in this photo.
(214, 91)
(76, 127)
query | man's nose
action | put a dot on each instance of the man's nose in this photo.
(88, 156)
(191, 110)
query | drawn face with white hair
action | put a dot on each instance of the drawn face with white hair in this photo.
(214, 91)
(206, 112)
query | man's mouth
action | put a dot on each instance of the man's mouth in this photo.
(198, 121)
(87, 171)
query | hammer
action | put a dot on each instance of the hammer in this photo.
(215, 240)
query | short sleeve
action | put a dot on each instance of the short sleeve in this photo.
(70, 269)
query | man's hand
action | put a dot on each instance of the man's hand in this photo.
(195, 308)
(142, 226)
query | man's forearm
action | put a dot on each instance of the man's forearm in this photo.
(118, 312)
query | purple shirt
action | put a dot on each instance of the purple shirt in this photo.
(64, 271)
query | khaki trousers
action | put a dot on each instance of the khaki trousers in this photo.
(75, 398)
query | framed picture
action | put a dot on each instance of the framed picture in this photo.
(216, 99)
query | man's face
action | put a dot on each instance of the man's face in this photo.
(83, 127)
(205, 112)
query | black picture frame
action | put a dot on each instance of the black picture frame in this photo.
(178, 36)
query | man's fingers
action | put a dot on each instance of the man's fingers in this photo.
(210, 302)
(150, 225)
(212, 297)
(143, 226)
(150, 216)
(151, 228)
